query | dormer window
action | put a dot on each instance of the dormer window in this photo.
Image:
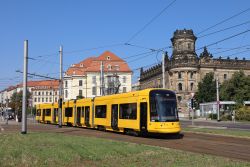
(81, 65)
(108, 57)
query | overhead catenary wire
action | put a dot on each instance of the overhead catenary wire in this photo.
(235, 48)
(151, 21)
(237, 53)
(230, 37)
(223, 21)
(221, 30)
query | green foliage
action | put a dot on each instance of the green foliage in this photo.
(206, 89)
(236, 89)
(16, 101)
(243, 114)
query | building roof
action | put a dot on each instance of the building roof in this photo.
(111, 62)
(48, 84)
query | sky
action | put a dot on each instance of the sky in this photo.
(90, 27)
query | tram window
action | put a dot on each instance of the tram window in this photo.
(82, 111)
(68, 112)
(38, 112)
(100, 111)
(128, 111)
(47, 112)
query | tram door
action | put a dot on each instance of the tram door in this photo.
(78, 115)
(143, 116)
(54, 115)
(114, 116)
(86, 119)
(43, 115)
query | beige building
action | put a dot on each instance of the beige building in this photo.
(184, 69)
(43, 91)
(96, 76)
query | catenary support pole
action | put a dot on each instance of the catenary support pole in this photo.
(163, 71)
(218, 99)
(60, 88)
(24, 102)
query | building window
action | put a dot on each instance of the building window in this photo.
(42, 99)
(39, 93)
(93, 79)
(35, 100)
(80, 92)
(46, 100)
(225, 76)
(191, 86)
(124, 89)
(80, 82)
(55, 92)
(66, 84)
(124, 79)
(50, 100)
(42, 93)
(34, 93)
(93, 90)
(180, 86)
(38, 99)
(109, 67)
(108, 58)
(191, 75)
(66, 93)
(50, 93)
(56, 99)
(47, 93)
(189, 46)
(179, 45)
(179, 75)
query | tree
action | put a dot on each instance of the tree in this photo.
(206, 89)
(16, 102)
(237, 88)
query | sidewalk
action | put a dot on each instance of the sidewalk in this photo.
(215, 121)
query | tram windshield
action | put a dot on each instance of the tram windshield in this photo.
(163, 107)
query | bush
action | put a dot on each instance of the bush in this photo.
(226, 117)
(243, 114)
(213, 116)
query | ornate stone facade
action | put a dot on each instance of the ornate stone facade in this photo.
(184, 69)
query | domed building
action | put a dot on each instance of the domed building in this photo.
(184, 69)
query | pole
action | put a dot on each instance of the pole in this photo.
(7, 111)
(101, 80)
(218, 99)
(163, 71)
(60, 88)
(24, 105)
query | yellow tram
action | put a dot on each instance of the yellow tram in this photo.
(141, 112)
